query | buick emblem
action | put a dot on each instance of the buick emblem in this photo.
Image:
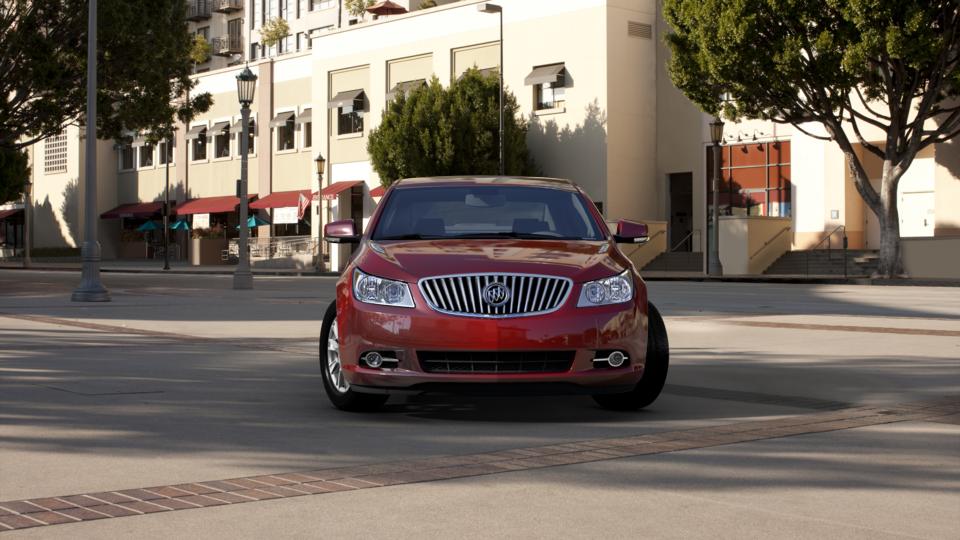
(496, 294)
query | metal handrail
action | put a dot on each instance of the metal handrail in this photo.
(683, 240)
(828, 239)
(770, 241)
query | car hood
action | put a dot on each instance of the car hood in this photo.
(412, 260)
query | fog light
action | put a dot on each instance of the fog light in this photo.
(373, 359)
(616, 359)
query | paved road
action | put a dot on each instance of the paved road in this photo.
(181, 379)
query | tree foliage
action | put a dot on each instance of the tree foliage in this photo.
(14, 173)
(273, 31)
(437, 131)
(201, 50)
(143, 75)
(358, 8)
(881, 74)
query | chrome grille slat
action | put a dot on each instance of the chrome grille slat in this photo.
(462, 294)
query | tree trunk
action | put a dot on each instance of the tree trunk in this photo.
(891, 264)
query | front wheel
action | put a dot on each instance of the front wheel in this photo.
(334, 380)
(654, 371)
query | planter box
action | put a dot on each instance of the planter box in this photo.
(204, 251)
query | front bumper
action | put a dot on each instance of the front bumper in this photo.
(404, 331)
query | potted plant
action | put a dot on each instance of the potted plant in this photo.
(207, 245)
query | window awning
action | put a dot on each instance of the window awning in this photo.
(137, 210)
(378, 191)
(281, 199)
(331, 192)
(405, 87)
(345, 99)
(195, 131)
(238, 125)
(220, 127)
(305, 116)
(281, 119)
(6, 214)
(545, 74)
(210, 205)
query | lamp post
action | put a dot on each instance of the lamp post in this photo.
(166, 204)
(27, 207)
(321, 163)
(246, 86)
(90, 288)
(714, 267)
(494, 8)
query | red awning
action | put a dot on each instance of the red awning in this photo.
(139, 210)
(330, 192)
(281, 199)
(378, 191)
(4, 214)
(210, 205)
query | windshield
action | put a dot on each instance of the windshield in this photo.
(486, 212)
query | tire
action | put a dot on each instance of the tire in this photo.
(654, 372)
(337, 388)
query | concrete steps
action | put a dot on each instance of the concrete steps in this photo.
(678, 261)
(823, 262)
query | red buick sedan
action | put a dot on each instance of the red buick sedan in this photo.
(491, 284)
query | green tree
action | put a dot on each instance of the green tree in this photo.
(358, 8)
(201, 50)
(273, 31)
(143, 73)
(888, 66)
(437, 131)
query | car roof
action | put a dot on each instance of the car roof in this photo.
(529, 181)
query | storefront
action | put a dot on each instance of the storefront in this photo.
(141, 229)
(213, 221)
(11, 232)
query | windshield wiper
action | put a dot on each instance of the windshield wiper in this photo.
(409, 237)
(511, 234)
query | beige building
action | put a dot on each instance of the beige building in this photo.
(590, 79)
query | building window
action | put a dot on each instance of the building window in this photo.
(204, 31)
(285, 134)
(307, 134)
(299, 40)
(254, 50)
(548, 86)
(55, 154)
(755, 179)
(251, 133)
(165, 154)
(321, 4)
(146, 156)
(349, 120)
(199, 146)
(221, 143)
(549, 96)
(126, 157)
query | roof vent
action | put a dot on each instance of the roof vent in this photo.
(639, 30)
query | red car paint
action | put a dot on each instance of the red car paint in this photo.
(366, 327)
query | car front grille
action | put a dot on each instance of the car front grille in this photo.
(470, 294)
(496, 361)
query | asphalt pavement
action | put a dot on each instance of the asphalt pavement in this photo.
(181, 379)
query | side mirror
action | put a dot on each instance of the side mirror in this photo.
(341, 232)
(630, 232)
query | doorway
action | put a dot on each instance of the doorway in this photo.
(681, 211)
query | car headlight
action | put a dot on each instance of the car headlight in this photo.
(385, 292)
(613, 290)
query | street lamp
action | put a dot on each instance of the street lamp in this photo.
(90, 288)
(714, 267)
(166, 203)
(27, 207)
(321, 163)
(246, 87)
(494, 8)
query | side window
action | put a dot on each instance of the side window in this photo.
(146, 156)
(285, 135)
(349, 120)
(199, 146)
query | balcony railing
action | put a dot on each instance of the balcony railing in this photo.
(227, 6)
(227, 45)
(198, 10)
